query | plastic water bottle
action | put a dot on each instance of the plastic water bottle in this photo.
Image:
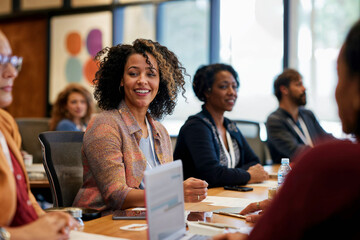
(283, 170)
(77, 215)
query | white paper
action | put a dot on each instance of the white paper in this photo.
(139, 209)
(196, 228)
(76, 235)
(134, 227)
(36, 167)
(269, 184)
(228, 201)
(244, 230)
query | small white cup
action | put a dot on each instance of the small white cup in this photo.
(28, 160)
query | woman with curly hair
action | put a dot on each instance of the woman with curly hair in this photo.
(72, 109)
(135, 85)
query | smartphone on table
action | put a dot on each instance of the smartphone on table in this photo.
(238, 188)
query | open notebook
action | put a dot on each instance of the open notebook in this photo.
(164, 196)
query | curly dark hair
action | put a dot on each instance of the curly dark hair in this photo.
(59, 111)
(205, 76)
(112, 61)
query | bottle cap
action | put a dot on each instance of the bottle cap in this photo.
(75, 212)
(285, 161)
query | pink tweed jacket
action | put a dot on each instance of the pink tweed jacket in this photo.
(112, 160)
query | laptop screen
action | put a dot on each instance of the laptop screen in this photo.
(164, 197)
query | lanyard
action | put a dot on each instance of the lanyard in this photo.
(6, 150)
(151, 143)
(230, 156)
(305, 138)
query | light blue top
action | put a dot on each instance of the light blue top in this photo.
(145, 147)
(67, 125)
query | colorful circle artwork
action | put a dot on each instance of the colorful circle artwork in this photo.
(76, 67)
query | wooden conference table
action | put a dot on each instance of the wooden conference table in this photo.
(107, 226)
(40, 183)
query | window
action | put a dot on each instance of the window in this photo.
(319, 29)
(183, 27)
(134, 22)
(251, 40)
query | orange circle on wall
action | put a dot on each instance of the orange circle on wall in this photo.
(73, 43)
(89, 70)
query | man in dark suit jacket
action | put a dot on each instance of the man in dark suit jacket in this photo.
(291, 128)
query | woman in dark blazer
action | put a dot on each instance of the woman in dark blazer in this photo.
(210, 146)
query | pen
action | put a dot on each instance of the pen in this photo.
(232, 215)
(217, 225)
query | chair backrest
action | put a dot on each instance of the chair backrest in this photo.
(63, 164)
(29, 129)
(251, 132)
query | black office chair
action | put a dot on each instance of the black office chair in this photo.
(251, 132)
(29, 129)
(63, 164)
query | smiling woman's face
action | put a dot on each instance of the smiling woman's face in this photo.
(223, 94)
(140, 81)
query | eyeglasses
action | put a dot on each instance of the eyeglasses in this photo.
(13, 60)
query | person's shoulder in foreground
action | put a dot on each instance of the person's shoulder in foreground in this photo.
(319, 199)
(319, 196)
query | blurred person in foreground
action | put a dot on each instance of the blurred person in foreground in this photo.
(21, 217)
(320, 197)
(135, 85)
(72, 109)
(210, 145)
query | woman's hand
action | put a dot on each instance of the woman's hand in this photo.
(253, 207)
(231, 236)
(195, 190)
(50, 226)
(257, 174)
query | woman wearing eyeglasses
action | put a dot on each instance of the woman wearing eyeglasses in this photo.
(211, 146)
(20, 215)
(15, 61)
